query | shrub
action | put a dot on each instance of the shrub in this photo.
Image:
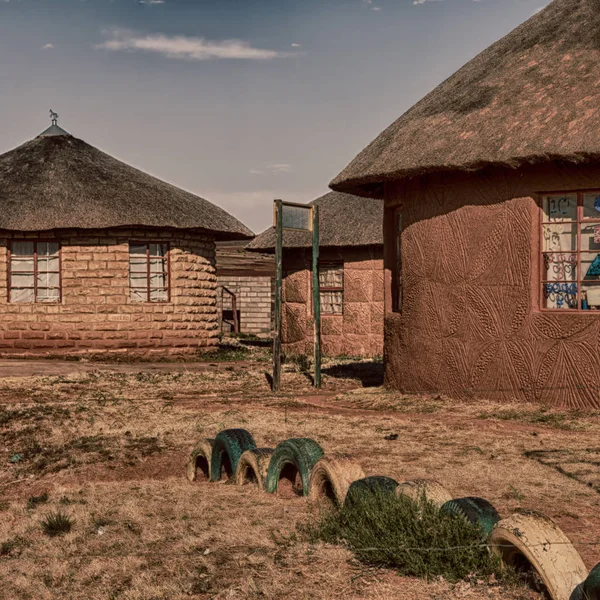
(34, 501)
(414, 538)
(57, 523)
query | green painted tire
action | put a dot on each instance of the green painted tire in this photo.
(368, 486)
(591, 586)
(229, 445)
(475, 510)
(298, 455)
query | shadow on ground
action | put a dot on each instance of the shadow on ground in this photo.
(370, 374)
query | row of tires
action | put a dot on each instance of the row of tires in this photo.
(299, 466)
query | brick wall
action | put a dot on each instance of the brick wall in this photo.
(359, 330)
(95, 313)
(254, 302)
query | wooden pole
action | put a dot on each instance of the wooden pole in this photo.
(316, 295)
(278, 295)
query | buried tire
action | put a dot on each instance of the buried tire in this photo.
(198, 466)
(332, 476)
(475, 510)
(433, 491)
(292, 462)
(591, 586)
(369, 486)
(537, 548)
(228, 447)
(253, 466)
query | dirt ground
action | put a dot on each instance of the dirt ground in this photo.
(108, 444)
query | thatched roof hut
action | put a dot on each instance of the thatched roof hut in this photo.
(344, 220)
(57, 181)
(530, 97)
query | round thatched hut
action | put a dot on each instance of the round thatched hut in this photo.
(492, 209)
(97, 256)
(350, 275)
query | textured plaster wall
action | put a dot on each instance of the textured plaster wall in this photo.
(96, 314)
(359, 331)
(470, 322)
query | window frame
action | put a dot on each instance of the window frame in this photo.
(167, 262)
(9, 270)
(577, 223)
(340, 265)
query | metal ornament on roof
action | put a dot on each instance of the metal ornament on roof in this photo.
(53, 117)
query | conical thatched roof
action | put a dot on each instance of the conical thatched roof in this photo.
(344, 220)
(57, 181)
(532, 96)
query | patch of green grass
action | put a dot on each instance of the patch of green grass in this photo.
(57, 523)
(414, 538)
(35, 501)
(542, 416)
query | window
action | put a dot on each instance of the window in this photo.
(331, 286)
(570, 264)
(148, 272)
(34, 271)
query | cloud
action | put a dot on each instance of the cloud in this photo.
(151, 1)
(369, 4)
(48, 47)
(295, 45)
(416, 2)
(184, 47)
(274, 168)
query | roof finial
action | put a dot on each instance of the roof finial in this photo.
(53, 117)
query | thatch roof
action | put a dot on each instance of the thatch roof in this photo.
(344, 220)
(530, 97)
(57, 181)
(233, 260)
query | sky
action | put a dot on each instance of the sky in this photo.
(238, 101)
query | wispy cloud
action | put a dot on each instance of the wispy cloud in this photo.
(48, 47)
(274, 168)
(151, 1)
(369, 4)
(295, 45)
(184, 47)
(417, 2)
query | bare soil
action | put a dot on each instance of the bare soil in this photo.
(108, 444)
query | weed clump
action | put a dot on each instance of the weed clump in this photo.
(412, 537)
(57, 523)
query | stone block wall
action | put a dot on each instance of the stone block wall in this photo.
(356, 332)
(96, 315)
(254, 297)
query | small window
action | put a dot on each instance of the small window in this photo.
(34, 272)
(331, 284)
(148, 272)
(570, 251)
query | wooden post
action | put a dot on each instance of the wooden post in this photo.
(316, 295)
(278, 295)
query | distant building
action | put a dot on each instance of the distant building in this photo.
(492, 220)
(97, 256)
(350, 273)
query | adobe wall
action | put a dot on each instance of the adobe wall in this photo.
(96, 314)
(470, 323)
(254, 296)
(359, 331)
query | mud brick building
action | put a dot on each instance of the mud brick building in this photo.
(491, 186)
(350, 274)
(97, 256)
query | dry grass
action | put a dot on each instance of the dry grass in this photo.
(109, 449)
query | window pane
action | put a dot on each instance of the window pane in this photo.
(22, 248)
(559, 237)
(560, 267)
(48, 264)
(158, 296)
(138, 280)
(560, 207)
(331, 303)
(137, 249)
(21, 265)
(158, 265)
(331, 276)
(591, 206)
(21, 295)
(47, 249)
(560, 295)
(158, 281)
(48, 280)
(158, 249)
(590, 292)
(48, 295)
(138, 265)
(138, 295)
(21, 281)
